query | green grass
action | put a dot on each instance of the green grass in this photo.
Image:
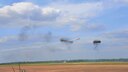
(70, 63)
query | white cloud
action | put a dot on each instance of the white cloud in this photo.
(22, 12)
(54, 14)
(118, 35)
(7, 38)
(78, 15)
(114, 3)
(121, 1)
(57, 15)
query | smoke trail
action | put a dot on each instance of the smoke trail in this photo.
(48, 37)
(24, 33)
(66, 42)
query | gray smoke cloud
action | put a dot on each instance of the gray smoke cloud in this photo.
(48, 37)
(24, 33)
(68, 42)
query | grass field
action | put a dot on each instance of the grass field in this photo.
(68, 67)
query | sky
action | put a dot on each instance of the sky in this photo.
(31, 30)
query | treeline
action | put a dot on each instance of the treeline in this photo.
(68, 61)
(99, 60)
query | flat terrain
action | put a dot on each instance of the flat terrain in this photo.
(68, 68)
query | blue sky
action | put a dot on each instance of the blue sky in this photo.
(30, 30)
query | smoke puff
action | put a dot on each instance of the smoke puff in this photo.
(48, 37)
(24, 33)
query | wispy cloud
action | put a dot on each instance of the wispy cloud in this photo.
(55, 19)
(19, 13)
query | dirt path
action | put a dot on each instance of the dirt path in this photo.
(68, 68)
